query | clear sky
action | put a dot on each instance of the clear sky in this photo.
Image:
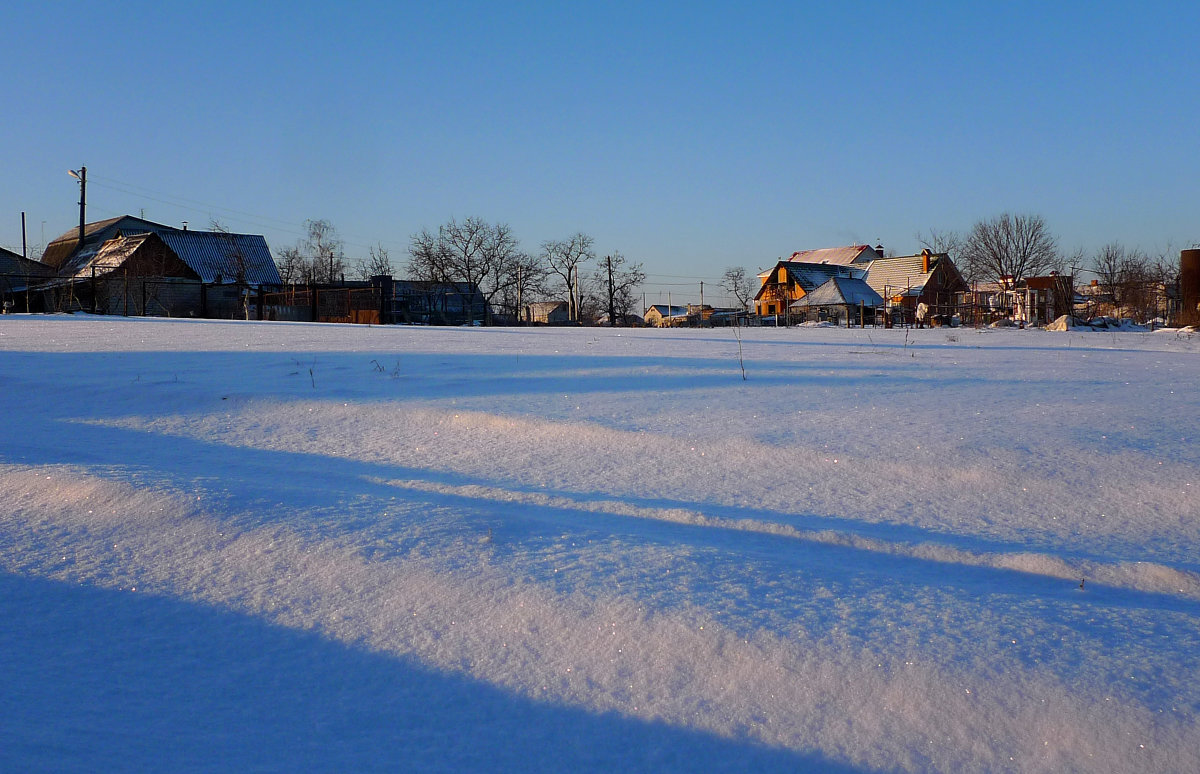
(689, 136)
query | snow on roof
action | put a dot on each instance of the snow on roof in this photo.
(668, 311)
(898, 276)
(106, 258)
(841, 291)
(842, 256)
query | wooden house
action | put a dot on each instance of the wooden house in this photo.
(789, 281)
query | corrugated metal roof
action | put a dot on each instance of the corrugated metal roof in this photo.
(94, 234)
(841, 291)
(217, 256)
(842, 256)
(110, 256)
(669, 311)
(811, 276)
(899, 276)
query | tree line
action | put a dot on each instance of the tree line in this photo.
(489, 257)
(1010, 248)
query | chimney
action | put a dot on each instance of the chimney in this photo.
(925, 261)
(185, 225)
(879, 249)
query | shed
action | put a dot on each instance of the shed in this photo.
(841, 293)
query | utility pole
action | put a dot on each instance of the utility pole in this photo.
(701, 303)
(81, 176)
(612, 308)
(24, 246)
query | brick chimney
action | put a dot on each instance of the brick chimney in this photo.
(925, 261)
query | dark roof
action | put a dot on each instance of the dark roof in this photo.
(15, 263)
(215, 256)
(94, 235)
(218, 256)
(114, 254)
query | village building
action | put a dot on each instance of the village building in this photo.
(927, 281)
(547, 313)
(666, 316)
(17, 275)
(129, 265)
(848, 298)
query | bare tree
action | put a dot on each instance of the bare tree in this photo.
(322, 249)
(317, 257)
(377, 263)
(476, 252)
(563, 259)
(619, 280)
(951, 243)
(740, 284)
(290, 264)
(528, 276)
(1010, 248)
(1134, 281)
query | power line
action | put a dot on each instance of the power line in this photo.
(260, 221)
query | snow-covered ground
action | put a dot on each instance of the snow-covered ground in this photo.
(286, 547)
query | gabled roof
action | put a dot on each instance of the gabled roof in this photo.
(842, 256)
(809, 276)
(158, 259)
(16, 264)
(215, 256)
(841, 291)
(108, 257)
(546, 306)
(218, 256)
(902, 275)
(95, 234)
(668, 311)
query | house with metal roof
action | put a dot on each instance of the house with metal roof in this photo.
(664, 315)
(848, 296)
(789, 281)
(907, 281)
(216, 257)
(841, 256)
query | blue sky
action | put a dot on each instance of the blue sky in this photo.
(688, 136)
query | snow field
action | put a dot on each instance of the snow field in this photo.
(866, 555)
(607, 656)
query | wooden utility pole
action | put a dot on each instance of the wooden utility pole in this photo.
(612, 307)
(81, 176)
